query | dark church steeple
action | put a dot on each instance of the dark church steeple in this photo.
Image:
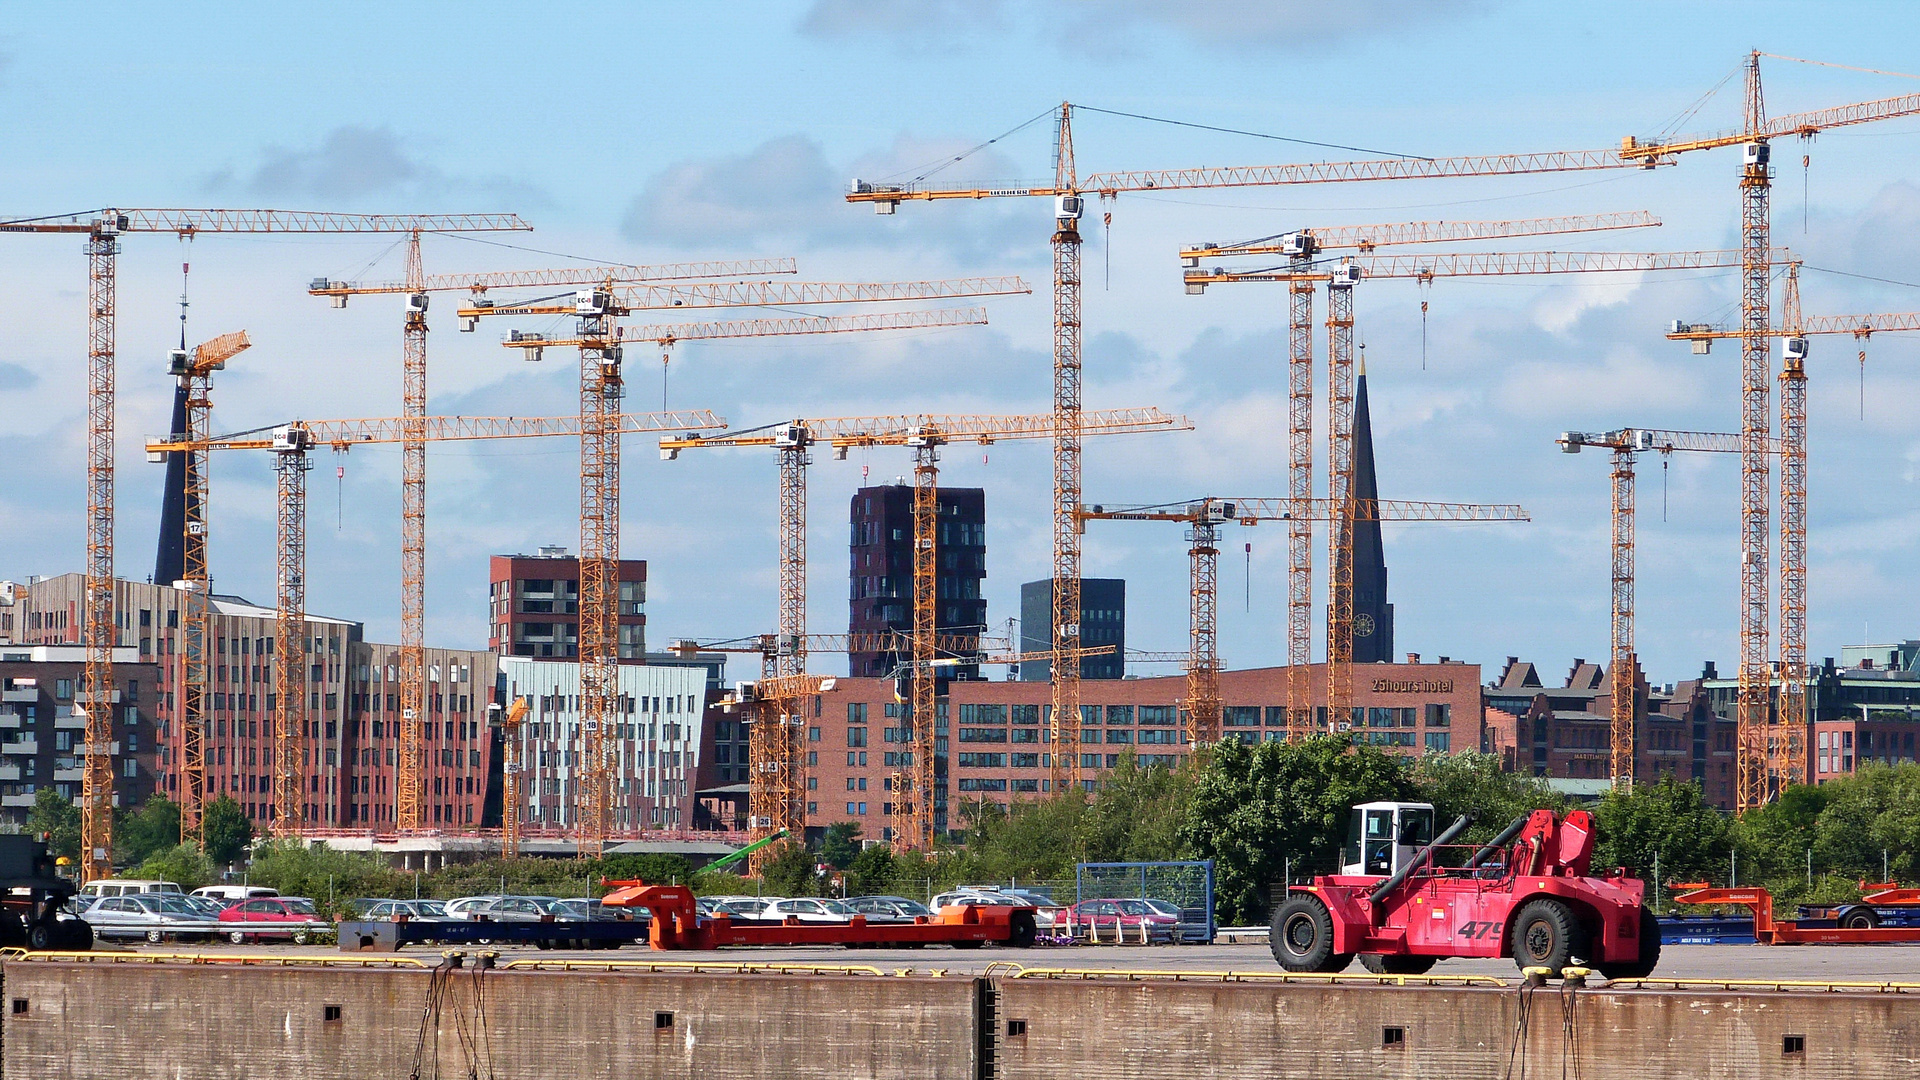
(1372, 615)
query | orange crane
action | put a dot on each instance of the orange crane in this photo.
(1203, 518)
(1068, 192)
(290, 444)
(601, 388)
(413, 450)
(1341, 278)
(925, 434)
(509, 722)
(194, 370)
(1789, 746)
(103, 230)
(1756, 272)
(1626, 444)
(1300, 247)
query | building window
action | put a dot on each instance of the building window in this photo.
(1023, 714)
(982, 761)
(813, 734)
(856, 712)
(856, 736)
(1440, 715)
(1114, 737)
(1437, 741)
(1240, 716)
(1158, 714)
(982, 735)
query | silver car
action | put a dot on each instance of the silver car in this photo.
(156, 917)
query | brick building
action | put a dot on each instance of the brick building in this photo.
(459, 754)
(992, 738)
(880, 582)
(1565, 732)
(1864, 709)
(43, 736)
(534, 606)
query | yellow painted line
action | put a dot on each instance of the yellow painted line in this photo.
(242, 960)
(1782, 985)
(694, 966)
(1019, 972)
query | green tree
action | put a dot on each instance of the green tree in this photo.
(1474, 783)
(872, 871)
(55, 817)
(226, 832)
(791, 872)
(153, 828)
(1874, 811)
(840, 844)
(317, 872)
(1255, 807)
(1775, 840)
(1138, 813)
(182, 864)
(1669, 819)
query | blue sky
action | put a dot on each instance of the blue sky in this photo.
(653, 132)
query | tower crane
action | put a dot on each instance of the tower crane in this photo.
(290, 444)
(194, 370)
(1300, 247)
(601, 388)
(1789, 747)
(1756, 272)
(1068, 192)
(1341, 277)
(512, 805)
(779, 790)
(413, 450)
(1623, 661)
(1203, 518)
(103, 230)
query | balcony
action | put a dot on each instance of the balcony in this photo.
(27, 694)
(16, 800)
(80, 749)
(82, 699)
(74, 775)
(26, 747)
(9, 772)
(9, 719)
(67, 721)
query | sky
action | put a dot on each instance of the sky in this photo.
(661, 132)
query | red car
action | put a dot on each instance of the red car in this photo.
(292, 917)
(1100, 919)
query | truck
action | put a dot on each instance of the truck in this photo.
(32, 898)
(1529, 893)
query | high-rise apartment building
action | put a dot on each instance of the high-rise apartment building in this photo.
(535, 606)
(1103, 621)
(881, 575)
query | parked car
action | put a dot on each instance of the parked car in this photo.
(156, 917)
(888, 908)
(412, 910)
(807, 909)
(1128, 916)
(1190, 926)
(292, 917)
(128, 887)
(524, 909)
(467, 906)
(590, 910)
(747, 908)
(207, 905)
(235, 892)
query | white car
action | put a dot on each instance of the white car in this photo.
(467, 906)
(810, 910)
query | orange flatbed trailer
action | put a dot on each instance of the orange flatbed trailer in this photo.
(678, 924)
(1769, 931)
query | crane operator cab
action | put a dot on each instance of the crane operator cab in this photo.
(1382, 837)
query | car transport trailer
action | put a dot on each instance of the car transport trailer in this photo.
(1841, 931)
(678, 924)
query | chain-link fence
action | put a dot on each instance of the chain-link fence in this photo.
(1187, 886)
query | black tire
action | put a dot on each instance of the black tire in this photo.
(1860, 918)
(1383, 964)
(543, 944)
(238, 937)
(1301, 937)
(1649, 952)
(968, 944)
(1023, 929)
(301, 937)
(155, 937)
(76, 936)
(1547, 934)
(42, 937)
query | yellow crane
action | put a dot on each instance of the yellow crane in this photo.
(1341, 278)
(1788, 749)
(290, 444)
(1301, 247)
(1626, 444)
(194, 370)
(1755, 783)
(1068, 192)
(103, 230)
(1203, 518)
(511, 801)
(413, 450)
(602, 386)
(779, 788)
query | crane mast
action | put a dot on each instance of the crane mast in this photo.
(1753, 708)
(291, 640)
(1065, 723)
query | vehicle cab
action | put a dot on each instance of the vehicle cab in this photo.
(1382, 837)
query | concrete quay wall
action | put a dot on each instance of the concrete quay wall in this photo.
(125, 1019)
